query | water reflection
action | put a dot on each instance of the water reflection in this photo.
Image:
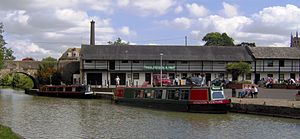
(45, 117)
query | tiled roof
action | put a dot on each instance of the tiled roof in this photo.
(152, 52)
(275, 52)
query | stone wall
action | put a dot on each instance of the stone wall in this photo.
(276, 111)
(68, 68)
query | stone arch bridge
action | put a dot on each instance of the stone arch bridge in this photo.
(28, 68)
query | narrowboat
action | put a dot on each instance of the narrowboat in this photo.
(190, 99)
(74, 91)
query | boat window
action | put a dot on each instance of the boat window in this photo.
(184, 94)
(59, 89)
(217, 95)
(174, 94)
(147, 93)
(158, 94)
(136, 93)
(51, 89)
(68, 88)
(139, 94)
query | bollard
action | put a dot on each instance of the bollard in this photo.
(233, 93)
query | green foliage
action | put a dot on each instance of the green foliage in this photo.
(6, 53)
(2, 43)
(7, 133)
(17, 80)
(119, 41)
(247, 44)
(237, 68)
(49, 58)
(217, 39)
(6, 80)
(46, 71)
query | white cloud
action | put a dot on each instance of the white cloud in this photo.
(178, 9)
(281, 44)
(156, 7)
(197, 10)
(229, 10)
(122, 3)
(182, 22)
(221, 24)
(24, 47)
(19, 16)
(178, 23)
(126, 31)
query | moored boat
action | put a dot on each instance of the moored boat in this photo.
(191, 99)
(74, 91)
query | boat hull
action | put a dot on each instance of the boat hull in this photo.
(170, 105)
(64, 95)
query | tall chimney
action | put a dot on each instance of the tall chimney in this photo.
(92, 37)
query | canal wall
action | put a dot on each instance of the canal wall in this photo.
(268, 107)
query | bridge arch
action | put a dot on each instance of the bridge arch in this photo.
(34, 80)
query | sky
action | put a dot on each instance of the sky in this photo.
(42, 28)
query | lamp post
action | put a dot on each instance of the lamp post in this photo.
(161, 54)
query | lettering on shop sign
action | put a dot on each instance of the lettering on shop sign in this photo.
(159, 67)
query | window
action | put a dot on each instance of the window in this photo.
(172, 61)
(281, 63)
(88, 61)
(184, 62)
(124, 61)
(136, 76)
(136, 61)
(281, 77)
(270, 75)
(217, 95)
(183, 75)
(270, 63)
(248, 76)
(68, 88)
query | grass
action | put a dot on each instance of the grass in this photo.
(7, 133)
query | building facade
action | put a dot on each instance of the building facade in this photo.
(279, 63)
(135, 65)
(295, 40)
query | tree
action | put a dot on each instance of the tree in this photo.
(45, 72)
(2, 43)
(119, 41)
(247, 44)
(49, 58)
(238, 68)
(7, 53)
(217, 39)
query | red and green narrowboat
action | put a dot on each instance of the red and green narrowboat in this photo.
(190, 99)
(72, 91)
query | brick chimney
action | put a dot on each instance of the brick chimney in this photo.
(92, 37)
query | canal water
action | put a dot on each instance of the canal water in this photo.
(59, 118)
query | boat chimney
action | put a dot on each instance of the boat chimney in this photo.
(92, 36)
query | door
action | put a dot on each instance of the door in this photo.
(293, 76)
(122, 77)
(148, 77)
(94, 78)
(257, 78)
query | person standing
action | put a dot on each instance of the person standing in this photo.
(176, 81)
(117, 81)
(255, 91)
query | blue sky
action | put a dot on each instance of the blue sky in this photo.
(41, 28)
